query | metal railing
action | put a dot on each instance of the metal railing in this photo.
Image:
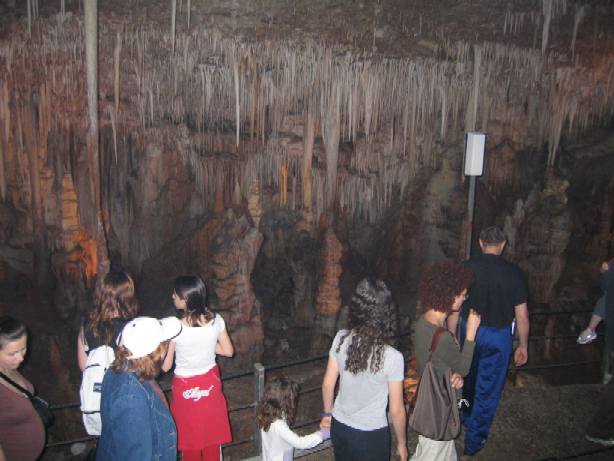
(259, 371)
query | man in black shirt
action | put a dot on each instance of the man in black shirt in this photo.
(499, 294)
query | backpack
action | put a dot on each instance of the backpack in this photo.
(98, 361)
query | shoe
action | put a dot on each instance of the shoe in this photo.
(587, 336)
(605, 441)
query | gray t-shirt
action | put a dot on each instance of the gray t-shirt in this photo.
(362, 399)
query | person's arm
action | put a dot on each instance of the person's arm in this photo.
(521, 355)
(170, 356)
(81, 354)
(2, 457)
(396, 408)
(131, 427)
(224, 344)
(448, 354)
(328, 390)
(302, 442)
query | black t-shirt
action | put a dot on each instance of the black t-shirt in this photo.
(113, 326)
(498, 287)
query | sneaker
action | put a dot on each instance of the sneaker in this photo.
(587, 336)
(605, 441)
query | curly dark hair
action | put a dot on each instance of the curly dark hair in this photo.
(372, 323)
(441, 282)
(278, 402)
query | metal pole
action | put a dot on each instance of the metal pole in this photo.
(258, 391)
(470, 207)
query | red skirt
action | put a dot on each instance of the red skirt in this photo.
(199, 408)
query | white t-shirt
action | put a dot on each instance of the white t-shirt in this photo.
(280, 439)
(195, 348)
(363, 397)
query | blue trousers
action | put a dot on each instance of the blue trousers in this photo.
(484, 383)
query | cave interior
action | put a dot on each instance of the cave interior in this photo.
(284, 149)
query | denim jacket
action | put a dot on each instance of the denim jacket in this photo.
(136, 424)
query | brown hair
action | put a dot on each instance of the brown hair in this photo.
(114, 298)
(441, 282)
(278, 402)
(145, 368)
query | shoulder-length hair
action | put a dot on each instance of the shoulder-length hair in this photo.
(278, 402)
(145, 368)
(193, 290)
(114, 298)
(11, 330)
(441, 282)
(372, 323)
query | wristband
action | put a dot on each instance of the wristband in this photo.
(326, 414)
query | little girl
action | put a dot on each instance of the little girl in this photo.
(198, 404)
(276, 410)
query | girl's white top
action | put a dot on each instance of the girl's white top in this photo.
(280, 438)
(195, 348)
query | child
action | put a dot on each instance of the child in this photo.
(276, 410)
(198, 404)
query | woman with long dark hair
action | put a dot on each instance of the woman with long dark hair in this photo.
(370, 373)
(198, 403)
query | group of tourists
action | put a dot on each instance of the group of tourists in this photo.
(473, 309)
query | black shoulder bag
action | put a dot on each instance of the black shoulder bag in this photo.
(40, 405)
(435, 413)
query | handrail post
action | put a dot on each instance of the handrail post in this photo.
(258, 391)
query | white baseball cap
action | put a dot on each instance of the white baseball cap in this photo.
(142, 335)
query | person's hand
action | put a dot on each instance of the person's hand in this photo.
(521, 356)
(402, 451)
(325, 423)
(457, 381)
(325, 434)
(604, 266)
(473, 322)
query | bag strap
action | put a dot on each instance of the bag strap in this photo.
(17, 386)
(435, 341)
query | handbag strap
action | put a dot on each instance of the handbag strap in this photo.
(435, 341)
(17, 386)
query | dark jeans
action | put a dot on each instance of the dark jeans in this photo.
(602, 424)
(352, 444)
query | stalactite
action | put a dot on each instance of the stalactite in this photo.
(547, 13)
(173, 22)
(308, 138)
(578, 16)
(116, 62)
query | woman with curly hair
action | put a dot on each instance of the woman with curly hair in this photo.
(276, 411)
(441, 291)
(370, 373)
